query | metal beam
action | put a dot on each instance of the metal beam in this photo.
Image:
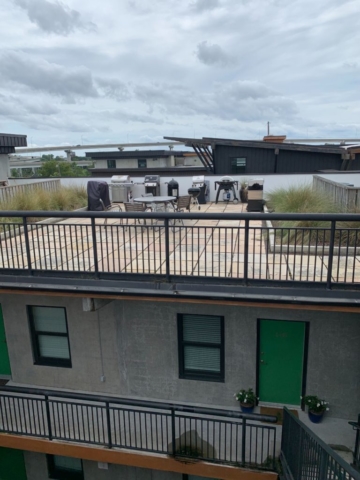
(93, 146)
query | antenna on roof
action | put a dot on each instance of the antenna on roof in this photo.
(268, 128)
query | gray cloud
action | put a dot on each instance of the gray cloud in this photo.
(242, 101)
(54, 17)
(46, 77)
(113, 88)
(211, 54)
(128, 117)
(203, 5)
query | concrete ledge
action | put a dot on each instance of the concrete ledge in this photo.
(300, 249)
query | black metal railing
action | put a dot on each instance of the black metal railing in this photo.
(356, 453)
(242, 247)
(304, 456)
(214, 435)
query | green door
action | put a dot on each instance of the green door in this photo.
(281, 361)
(12, 465)
(4, 356)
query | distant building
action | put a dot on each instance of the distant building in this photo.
(271, 156)
(8, 142)
(142, 159)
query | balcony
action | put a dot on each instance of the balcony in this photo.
(124, 427)
(223, 245)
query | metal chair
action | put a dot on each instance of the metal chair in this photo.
(136, 207)
(109, 208)
(183, 203)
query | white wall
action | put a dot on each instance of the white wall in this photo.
(271, 181)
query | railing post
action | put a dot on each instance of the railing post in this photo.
(107, 407)
(48, 416)
(173, 436)
(357, 446)
(167, 249)
(331, 254)
(93, 234)
(27, 244)
(246, 252)
(243, 441)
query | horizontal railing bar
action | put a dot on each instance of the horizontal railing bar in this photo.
(343, 464)
(138, 403)
(351, 217)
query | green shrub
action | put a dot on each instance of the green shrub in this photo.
(305, 199)
(63, 199)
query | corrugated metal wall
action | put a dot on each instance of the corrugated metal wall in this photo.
(12, 140)
(290, 161)
(263, 160)
(258, 160)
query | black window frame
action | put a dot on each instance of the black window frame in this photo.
(63, 473)
(38, 358)
(200, 374)
(235, 169)
(111, 163)
(142, 163)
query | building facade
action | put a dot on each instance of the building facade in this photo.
(110, 371)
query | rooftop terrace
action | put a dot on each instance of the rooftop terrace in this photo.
(222, 243)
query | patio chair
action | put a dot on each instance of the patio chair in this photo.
(183, 203)
(110, 207)
(136, 207)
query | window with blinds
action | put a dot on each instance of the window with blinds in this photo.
(49, 333)
(201, 347)
(65, 468)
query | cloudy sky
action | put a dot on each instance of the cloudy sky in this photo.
(137, 70)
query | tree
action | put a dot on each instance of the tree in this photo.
(53, 168)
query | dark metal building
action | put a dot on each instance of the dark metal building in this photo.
(9, 141)
(234, 157)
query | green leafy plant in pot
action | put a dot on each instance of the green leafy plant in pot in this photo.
(316, 407)
(247, 399)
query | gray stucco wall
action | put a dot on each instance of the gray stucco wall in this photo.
(36, 469)
(140, 351)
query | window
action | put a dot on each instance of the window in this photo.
(142, 163)
(49, 334)
(64, 468)
(201, 347)
(111, 163)
(238, 165)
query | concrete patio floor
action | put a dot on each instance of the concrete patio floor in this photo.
(211, 248)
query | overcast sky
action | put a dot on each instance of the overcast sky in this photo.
(96, 71)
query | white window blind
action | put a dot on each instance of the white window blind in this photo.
(53, 346)
(48, 319)
(202, 343)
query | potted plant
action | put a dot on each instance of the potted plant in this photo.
(316, 407)
(247, 400)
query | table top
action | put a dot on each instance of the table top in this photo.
(155, 199)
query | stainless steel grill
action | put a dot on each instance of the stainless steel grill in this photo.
(227, 185)
(152, 184)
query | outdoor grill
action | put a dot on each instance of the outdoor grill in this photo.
(227, 185)
(194, 192)
(120, 188)
(255, 195)
(152, 184)
(198, 181)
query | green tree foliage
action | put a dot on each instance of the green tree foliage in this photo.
(54, 168)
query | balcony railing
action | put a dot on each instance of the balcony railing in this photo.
(244, 248)
(304, 456)
(214, 435)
